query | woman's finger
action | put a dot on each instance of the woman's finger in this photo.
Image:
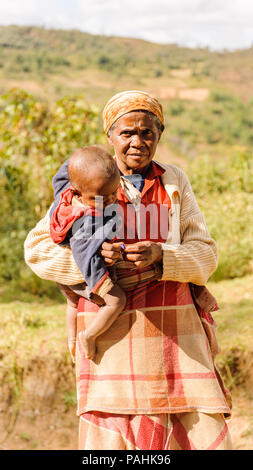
(109, 261)
(150, 251)
(137, 247)
(106, 246)
(142, 264)
(136, 257)
(110, 254)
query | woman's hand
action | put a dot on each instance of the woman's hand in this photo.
(143, 254)
(111, 252)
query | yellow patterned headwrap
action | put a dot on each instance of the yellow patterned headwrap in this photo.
(128, 101)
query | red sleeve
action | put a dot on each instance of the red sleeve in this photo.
(64, 216)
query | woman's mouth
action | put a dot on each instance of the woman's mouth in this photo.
(137, 155)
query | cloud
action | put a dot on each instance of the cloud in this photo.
(192, 23)
(55, 13)
(186, 22)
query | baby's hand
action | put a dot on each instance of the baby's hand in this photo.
(72, 349)
(88, 344)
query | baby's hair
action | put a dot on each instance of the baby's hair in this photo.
(86, 163)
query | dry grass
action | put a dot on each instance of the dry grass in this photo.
(234, 318)
(37, 409)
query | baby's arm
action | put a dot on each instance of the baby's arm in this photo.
(60, 182)
(115, 301)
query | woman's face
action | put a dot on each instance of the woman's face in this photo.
(134, 137)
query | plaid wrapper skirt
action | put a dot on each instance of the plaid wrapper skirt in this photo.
(157, 357)
(183, 431)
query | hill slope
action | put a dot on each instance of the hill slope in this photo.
(51, 62)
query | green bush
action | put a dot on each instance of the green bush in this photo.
(224, 190)
(35, 140)
(229, 218)
(38, 137)
(221, 119)
(17, 216)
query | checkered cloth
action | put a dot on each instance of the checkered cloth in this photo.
(184, 431)
(157, 357)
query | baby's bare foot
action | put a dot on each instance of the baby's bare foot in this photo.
(88, 344)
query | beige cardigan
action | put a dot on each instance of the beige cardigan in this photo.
(189, 253)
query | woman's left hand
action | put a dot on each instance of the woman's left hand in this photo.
(143, 254)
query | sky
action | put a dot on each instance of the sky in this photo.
(217, 24)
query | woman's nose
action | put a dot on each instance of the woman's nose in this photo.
(137, 141)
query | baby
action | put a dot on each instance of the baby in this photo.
(80, 220)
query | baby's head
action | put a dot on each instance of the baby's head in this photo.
(93, 172)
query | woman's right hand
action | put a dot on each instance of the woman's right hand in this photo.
(111, 252)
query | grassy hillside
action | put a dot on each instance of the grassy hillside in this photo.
(61, 81)
(207, 96)
(74, 61)
(121, 52)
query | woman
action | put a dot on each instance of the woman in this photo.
(153, 384)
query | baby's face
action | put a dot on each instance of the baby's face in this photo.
(100, 192)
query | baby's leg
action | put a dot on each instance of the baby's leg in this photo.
(115, 301)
